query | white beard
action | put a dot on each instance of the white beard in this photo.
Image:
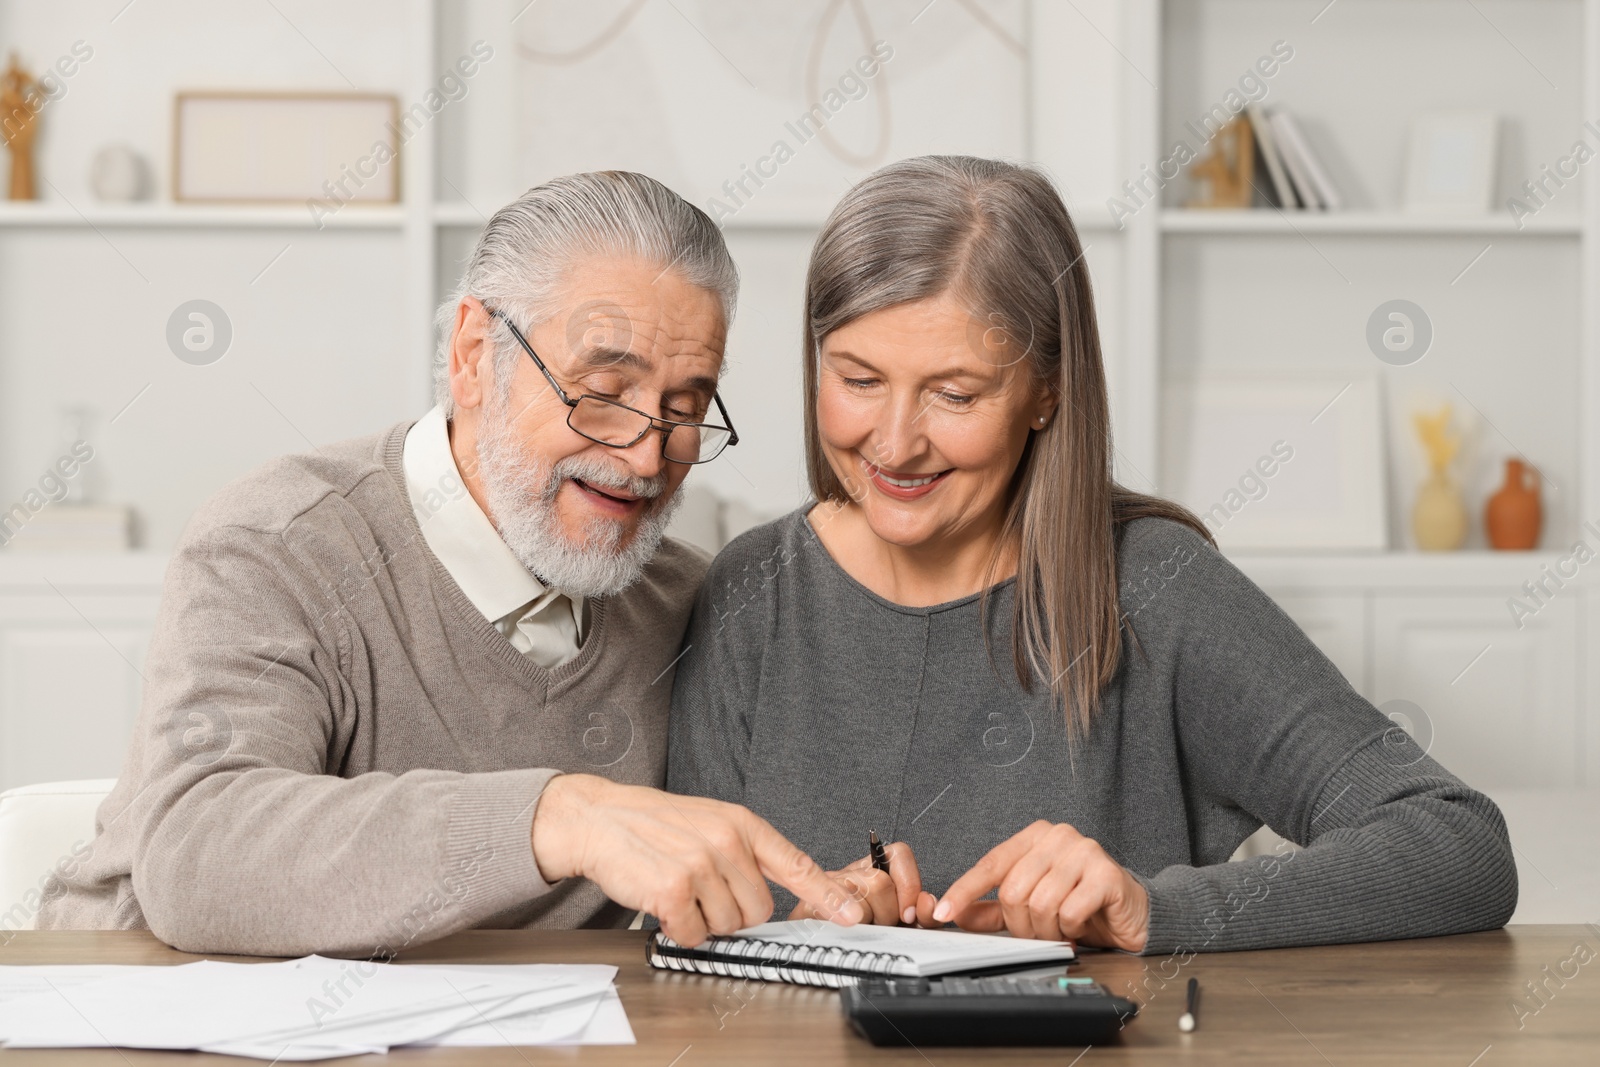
(522, 502)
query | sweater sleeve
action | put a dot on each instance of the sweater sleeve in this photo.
(243, 836)
(1393, 845)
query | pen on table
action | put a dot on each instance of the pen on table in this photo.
(1187, 1021)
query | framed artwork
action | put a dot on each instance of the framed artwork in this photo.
(1450, 165)
(1280, 463)
(276, 148)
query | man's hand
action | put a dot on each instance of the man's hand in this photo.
(888, 899)
(700, 866)
(1054, 884)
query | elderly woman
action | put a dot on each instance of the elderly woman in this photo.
(1032, 678)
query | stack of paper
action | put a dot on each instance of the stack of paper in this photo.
(309, 1009)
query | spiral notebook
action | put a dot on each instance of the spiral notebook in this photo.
(812, 952)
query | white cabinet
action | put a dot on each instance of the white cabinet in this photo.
(69, 695)
(1502, 703)
(1509, 710)
(73, 634)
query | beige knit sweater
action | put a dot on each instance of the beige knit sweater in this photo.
(335, 751)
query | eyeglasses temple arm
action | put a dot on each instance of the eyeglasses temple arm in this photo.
(526, 347)
(733, 435)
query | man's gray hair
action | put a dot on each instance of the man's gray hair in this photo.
(520, 258)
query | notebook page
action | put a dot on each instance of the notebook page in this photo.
(932, 952)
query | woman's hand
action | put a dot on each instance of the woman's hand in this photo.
(1055, 884)
(887, 899)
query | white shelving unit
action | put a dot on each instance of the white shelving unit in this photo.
(1511, 704)
(1260, 265)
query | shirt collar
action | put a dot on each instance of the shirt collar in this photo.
(458, 531)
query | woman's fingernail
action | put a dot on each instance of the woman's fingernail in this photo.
(853, 911)
(908, 916)
(942, 912)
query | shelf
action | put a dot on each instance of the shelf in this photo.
(1093, 219)
(450, 213)
(454, 213)
(1273, 221)
(52, 214)
(1467, 570)
(458, 214)
(36, 571)
(57, 214)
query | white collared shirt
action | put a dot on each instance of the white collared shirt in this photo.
(544, 624)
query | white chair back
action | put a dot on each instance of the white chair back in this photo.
(40, 825)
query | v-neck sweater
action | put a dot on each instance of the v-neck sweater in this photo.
(336, 751)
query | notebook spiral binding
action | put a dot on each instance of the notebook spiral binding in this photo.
(771, 961)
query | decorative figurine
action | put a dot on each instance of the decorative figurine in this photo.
(1229, 169)
(19, 119)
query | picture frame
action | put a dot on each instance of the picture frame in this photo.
(246, 147)
(1451, 162)
(1293, 464)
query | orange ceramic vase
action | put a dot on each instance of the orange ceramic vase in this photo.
(1513, 516)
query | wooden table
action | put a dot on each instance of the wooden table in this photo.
(1445, 1001)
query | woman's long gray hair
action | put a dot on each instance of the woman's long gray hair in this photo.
(996, 236)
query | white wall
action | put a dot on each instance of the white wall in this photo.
(322, 347)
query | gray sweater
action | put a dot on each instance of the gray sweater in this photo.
(830, 710)
(336, 752)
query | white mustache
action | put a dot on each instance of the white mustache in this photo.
(598, 474)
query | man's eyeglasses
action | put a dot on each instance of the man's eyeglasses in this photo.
(617, 425)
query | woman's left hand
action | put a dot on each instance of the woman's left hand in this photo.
(1054, 884)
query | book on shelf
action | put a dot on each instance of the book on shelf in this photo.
(1267, 149)
(1295, 144)
(1297, 171)
(1298, 177)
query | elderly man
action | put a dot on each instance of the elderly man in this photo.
(379, 667)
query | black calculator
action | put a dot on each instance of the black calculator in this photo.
(985, 1011)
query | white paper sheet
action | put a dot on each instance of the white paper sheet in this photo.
(311, 1008)
(591, 1021)
(220, 1002)
(519, 989)
(608, 1027)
